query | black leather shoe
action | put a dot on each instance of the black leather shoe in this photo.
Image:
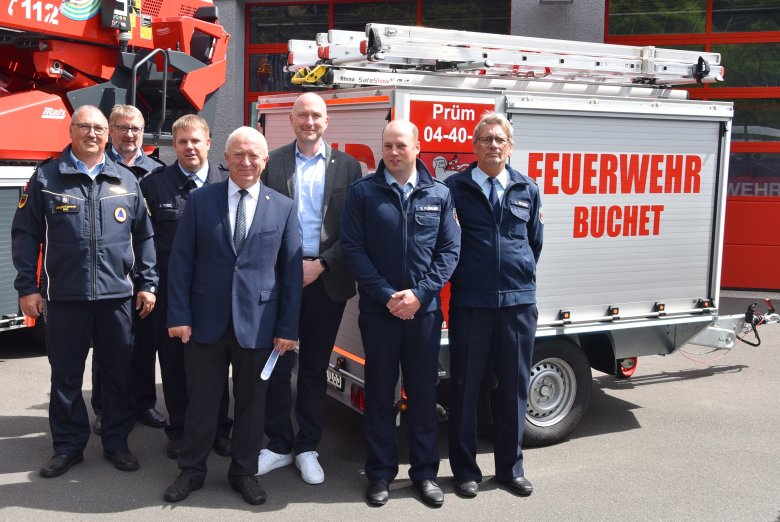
(59, 464)
(430, 492)
(122, 460)
(520, 486)
(249, 489)
(466, 488)
(173, 449)
(222, 446)
(153, 418)
(97, 426)
(181, 489)
(378, 492)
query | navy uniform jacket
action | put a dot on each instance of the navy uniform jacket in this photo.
(94, 234)
(497, 266)
(166, 191)
(389, 249)
(143, 166)
(260, 290)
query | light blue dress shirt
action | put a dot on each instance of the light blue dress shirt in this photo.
(483, 180)
(309, 193)
(82, 167)
(408, 186)
(200, 176)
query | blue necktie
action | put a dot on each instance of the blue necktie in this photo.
(239, 231)
(494, 201)
(404, 201)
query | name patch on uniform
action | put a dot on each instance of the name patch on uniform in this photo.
(120, 214)
(117, 190)
(23, 200)
(431, 208)
(519, 203)
(66, 208)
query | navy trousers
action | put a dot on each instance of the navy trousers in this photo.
(477, 336)
(414, 344)
(70, 326)
(319, 324)
(174, 379)
(207, 368)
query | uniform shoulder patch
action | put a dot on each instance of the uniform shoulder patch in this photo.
(23, 200)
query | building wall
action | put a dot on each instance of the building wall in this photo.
(581, 20)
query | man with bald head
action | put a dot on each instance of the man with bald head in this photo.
(234, 293)
(400, 240)
(316, 176)
(87, 213)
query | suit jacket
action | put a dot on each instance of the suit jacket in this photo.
(340, 171)
(260, 289)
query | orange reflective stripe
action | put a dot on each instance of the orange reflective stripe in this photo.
(349, 355)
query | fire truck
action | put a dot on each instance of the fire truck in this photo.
(632, 176)
(165, 57)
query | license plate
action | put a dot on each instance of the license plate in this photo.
(334, 379)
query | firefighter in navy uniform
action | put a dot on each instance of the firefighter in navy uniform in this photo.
(88, 213)
(493, 305)
(126, 130)
(167, 191)
(400, 240)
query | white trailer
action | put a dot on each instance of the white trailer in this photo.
(633, 184)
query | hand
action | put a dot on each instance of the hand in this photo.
(403, 304)
(283, 345)
(144, 303)
(31, 305)
(182, 332)
(312, 268)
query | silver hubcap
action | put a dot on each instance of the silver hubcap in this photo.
(552, 392)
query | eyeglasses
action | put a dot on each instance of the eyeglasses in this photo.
(124, 128)
(487, 140)
(84, 128)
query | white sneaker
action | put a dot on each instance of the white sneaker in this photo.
(268, 461)
(311, 471)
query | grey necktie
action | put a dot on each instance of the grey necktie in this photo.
(239, 231)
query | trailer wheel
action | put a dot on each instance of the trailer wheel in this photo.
(626, 368)
(559, 392)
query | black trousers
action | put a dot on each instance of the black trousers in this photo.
(144, 350)
(174, 378)
(207, 368)
(414, 344)
(477, 336)
(319, 324)
(70, 326)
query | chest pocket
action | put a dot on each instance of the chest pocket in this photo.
(166, 214)
(66, 216)
(426, 224)
(116, 218)
(520, 214)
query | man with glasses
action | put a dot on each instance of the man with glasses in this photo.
(86, 214)
(493, 305)
(126, 129)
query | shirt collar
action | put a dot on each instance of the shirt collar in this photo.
(479, 176)
(320, 152)
(202, 174)
(411, 181)
(254, 190)
(82, 167)
(119, 159)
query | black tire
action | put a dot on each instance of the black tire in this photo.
(559, 392)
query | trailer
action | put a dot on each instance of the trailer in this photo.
(632, 176)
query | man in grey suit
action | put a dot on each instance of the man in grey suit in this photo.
(316, 177)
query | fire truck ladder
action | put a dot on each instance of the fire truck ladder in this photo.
(408, 55)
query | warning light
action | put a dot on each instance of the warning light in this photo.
(705, 303)
(660, 308)
(565, 316)
(614, 311)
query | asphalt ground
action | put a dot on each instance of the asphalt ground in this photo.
(691, 436)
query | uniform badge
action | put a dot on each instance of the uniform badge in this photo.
(117, 190)
(120, 214)
(23, 200)
(541, 216)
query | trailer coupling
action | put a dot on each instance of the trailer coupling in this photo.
(753, 320)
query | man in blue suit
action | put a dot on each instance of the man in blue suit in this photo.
(234, 291)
